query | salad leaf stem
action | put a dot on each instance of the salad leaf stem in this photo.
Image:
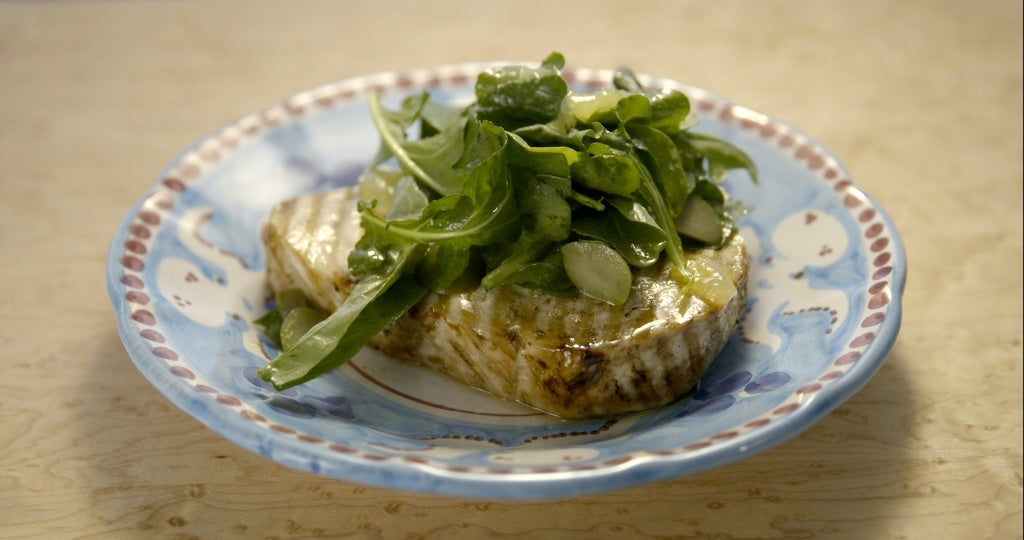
(662, 216)
(390, 140)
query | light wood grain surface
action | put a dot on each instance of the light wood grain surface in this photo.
(921, 100)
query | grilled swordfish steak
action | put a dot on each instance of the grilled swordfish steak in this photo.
(572, 357)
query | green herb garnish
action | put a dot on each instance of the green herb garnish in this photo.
(534, 185)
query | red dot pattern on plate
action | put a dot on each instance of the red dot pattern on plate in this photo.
(165, 353)
(152, 335)
(139, 231)
(191, 166)
(135, 247)
(182, 372)
(142, 316)
(149, 217)
(136, 297)
(831, 375)
(132, 263)
(249, 415)
(174, 184)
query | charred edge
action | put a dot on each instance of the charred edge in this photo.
(593, 367)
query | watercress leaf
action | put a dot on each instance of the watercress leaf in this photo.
(541, 160)
(627, 226)
(624, 79)
(664, 162)
(586, 201)
(561, 184)
(547, 135)
(600, 149)
(729, 211)
(722, 156)
(610, 138)
(670, 110)
(632, 210)
(596, 106)
(609, 173)
(710, 192)
(563, 187)
(544, 211)
(692, 159)
(633, 108)
(514, 96)
(555, 60)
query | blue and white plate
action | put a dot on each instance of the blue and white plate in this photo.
(186, 277)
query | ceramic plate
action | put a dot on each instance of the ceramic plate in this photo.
(186, 277)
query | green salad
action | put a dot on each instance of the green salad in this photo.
(534, 185)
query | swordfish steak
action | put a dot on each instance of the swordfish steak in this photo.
(571, 357)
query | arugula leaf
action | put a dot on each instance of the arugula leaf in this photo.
(532, 260)
(546, 275)
(437, 117)
(375, 302)
(535, 263)
(271, 322)
(483, 212)
(426, 160)
(407, 202)
(513, 96)
(445, 267)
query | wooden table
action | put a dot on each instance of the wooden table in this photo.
(922, 101)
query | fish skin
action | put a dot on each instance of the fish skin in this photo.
(571, 357)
